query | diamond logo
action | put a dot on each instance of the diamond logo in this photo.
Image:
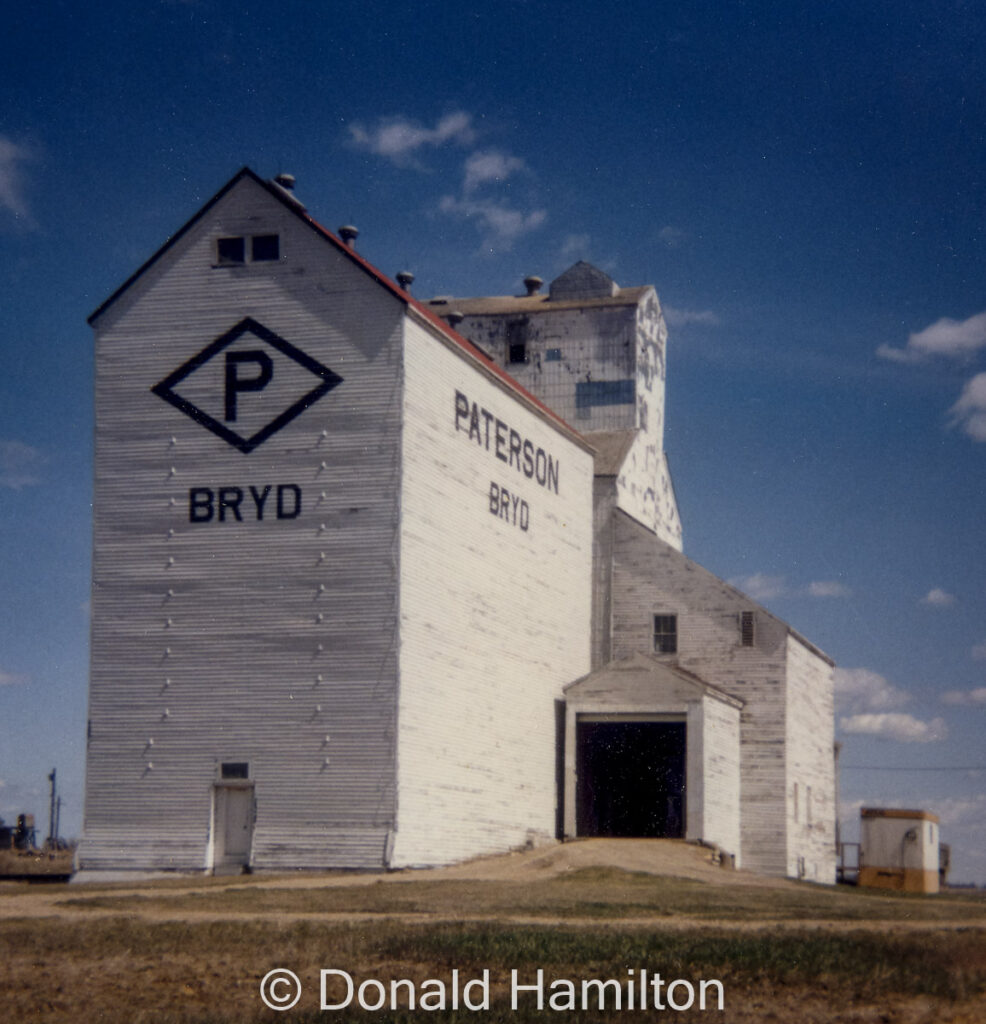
(246, 385)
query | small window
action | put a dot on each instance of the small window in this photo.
(808, 805)
(666, 634)
(517, 341)
(231, 250)
(265, 248)
(235, 770)
(747, 629)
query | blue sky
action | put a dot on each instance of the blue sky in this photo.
(805, 186)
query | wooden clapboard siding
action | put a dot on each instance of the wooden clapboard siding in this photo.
(651, 577)
(719, 777)
(811, 763)
(269, 642)
(494, 618)
(389, 660)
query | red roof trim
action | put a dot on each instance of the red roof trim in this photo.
(464, 344)
(437, 322)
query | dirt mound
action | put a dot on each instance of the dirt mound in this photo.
(672, 857)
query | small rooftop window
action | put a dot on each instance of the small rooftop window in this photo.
(517, 341)
(748, 633)
(265, 248)
(231, 250)
(666, 634)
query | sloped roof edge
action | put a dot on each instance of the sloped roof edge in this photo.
(658, 667)
(244, 172)
(791, 631)
(421, 311)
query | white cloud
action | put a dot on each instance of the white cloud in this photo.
(12, 187)
(11, 679)
(760, 586)
(896, 355)
(575, 246)
(859, 690)
(402, 140)
(763, 587)
(671, 236)
(19, 464)
(399, 138)
(895, 725)
(500, 223)
(491, 166)
(681, 317)
(979, 652)
(828, 588)
(960, 810)
(969, 412)
(961, 697)
(938, 598)
(956, 339)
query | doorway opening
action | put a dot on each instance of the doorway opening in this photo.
(233, 817)
(630, 779)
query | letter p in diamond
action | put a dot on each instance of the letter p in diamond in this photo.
(262, 383)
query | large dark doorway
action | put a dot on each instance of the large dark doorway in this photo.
(631, 779)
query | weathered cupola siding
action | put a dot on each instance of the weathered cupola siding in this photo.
(380, 582)
(596, 354)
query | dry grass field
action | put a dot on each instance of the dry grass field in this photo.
(195, 950)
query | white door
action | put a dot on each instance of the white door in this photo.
(234, 824)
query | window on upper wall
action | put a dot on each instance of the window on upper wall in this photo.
(231, 250)
(265, 248)
(235, 770)
(748, 633)
(517, 341)
(666, 634)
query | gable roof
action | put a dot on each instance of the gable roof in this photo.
(640, 676)
(418, 309)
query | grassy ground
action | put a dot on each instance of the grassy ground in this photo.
(601, 893)
(197, 954)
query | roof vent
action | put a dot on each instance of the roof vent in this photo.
(349, 234)
(455, 318)
(285, 181)
(533, 284)
(405, 279)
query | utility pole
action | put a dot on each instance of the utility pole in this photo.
(51, 811)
